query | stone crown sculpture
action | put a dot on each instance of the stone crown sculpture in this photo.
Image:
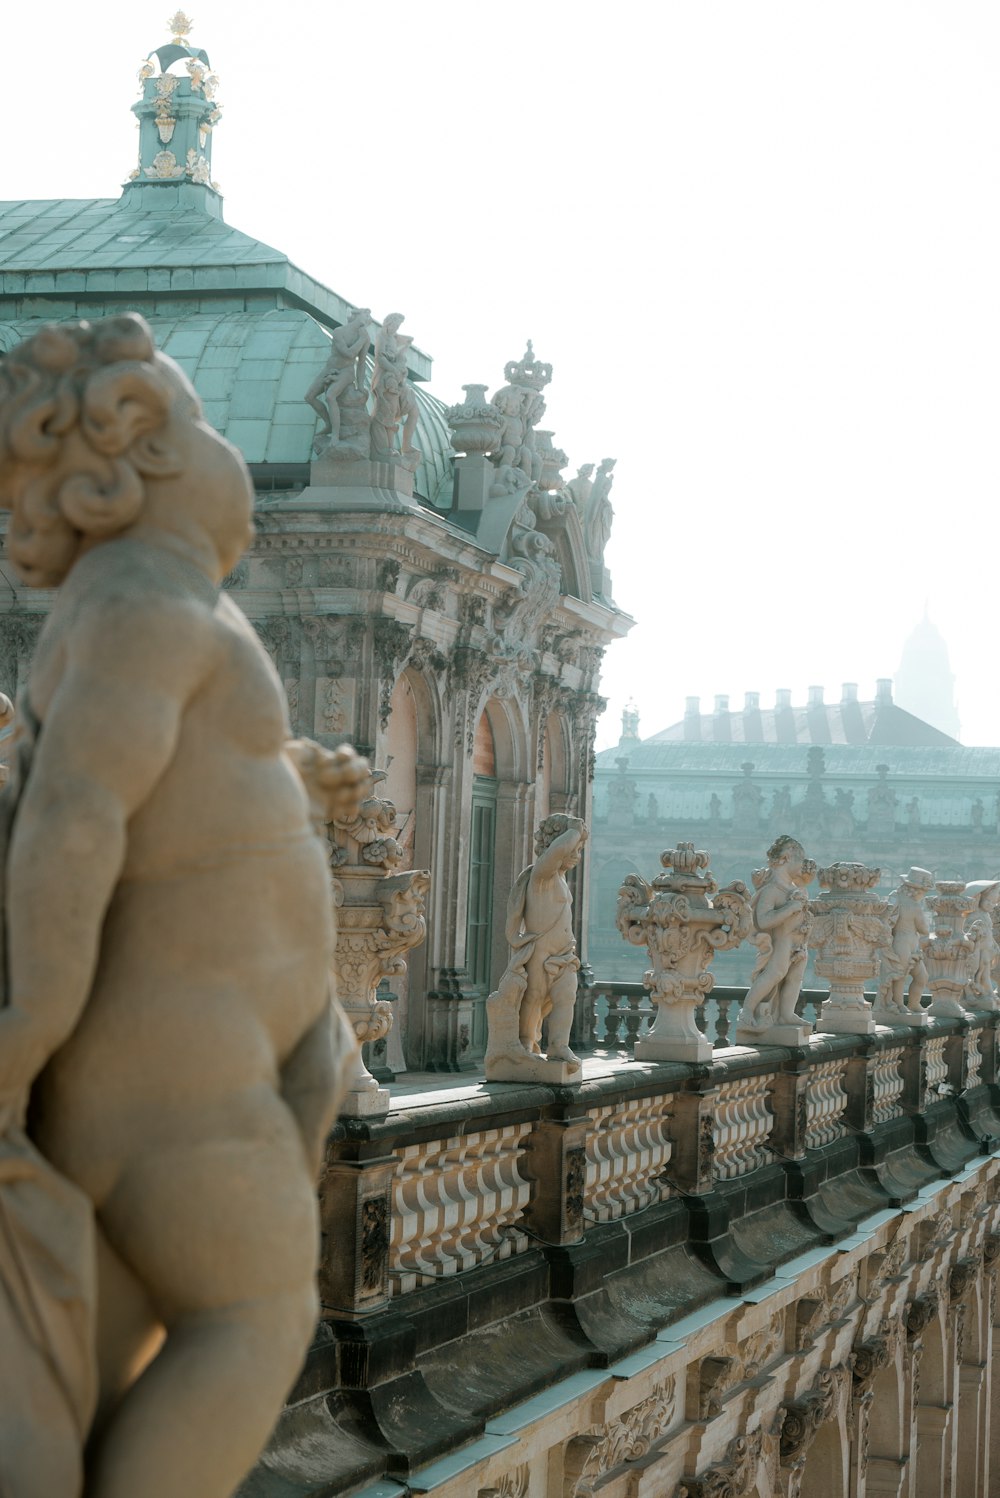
(168, 939)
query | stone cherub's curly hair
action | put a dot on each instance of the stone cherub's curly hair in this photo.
(553, 827)
(74, 399)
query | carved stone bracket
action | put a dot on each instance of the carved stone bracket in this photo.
(919, 1313)
(803, 1417)
(734, 1476)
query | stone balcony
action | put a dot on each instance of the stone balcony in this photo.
(532, 1290)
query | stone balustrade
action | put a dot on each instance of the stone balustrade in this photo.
(497, 1247)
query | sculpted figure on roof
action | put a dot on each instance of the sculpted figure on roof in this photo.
(342, 374)
(394, 403)
(167, 916)
(781, 922)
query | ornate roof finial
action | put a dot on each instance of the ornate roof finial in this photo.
(179, 25)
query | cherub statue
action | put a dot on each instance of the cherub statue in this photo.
(343, 369)
(540, 979)
(168, 927)
(781, 918)
(981, 992)
(903, 966)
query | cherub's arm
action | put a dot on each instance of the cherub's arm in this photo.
(110, 730)
(769, 915)
(549, 863)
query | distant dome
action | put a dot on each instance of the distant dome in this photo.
(924, 684)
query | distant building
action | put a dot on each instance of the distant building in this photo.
(854, 780)
(924, 682)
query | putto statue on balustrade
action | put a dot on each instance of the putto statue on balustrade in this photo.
(851, 932)
(780, 910)
(903, 975)
(337, 394)
(540, 980)
(981, 992)
(167, 997)
(683, 919)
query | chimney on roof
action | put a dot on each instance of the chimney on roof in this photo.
(815, 696)
(848, 693)
(722, 732)
(751, 702)
(883, 691)
(782, 698)
(692, 718)
(722, 704)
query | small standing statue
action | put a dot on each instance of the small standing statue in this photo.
(903, 964)
(343, 372)
(393, 401)
(540, 980)
(981, 992)
(168, 929)
(781, 922)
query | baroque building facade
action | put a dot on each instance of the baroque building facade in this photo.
(441, 602)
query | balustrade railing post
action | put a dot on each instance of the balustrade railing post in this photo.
(790, 1095)
(914, 1071)
(692, 1161)
(556, 1158)
(859, 1084)
(957, 1059)
(611, 1020)
(355, 1201)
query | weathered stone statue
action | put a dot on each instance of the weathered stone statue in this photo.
(343, 371)
(540, 980)
(903, 964)
(600, 513)
(850, 932)
(168, 930)
(781, 925)
(581, 487)
(981, 992)
(393, 402)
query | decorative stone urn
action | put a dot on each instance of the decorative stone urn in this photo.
(475, 423)
(850, 930)
(683, 919)
(380, 916)
(553, 460)
(949, 951)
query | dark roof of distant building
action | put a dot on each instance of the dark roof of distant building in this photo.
(878, 722)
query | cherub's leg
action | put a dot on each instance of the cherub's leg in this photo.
(224, 1236)
(918, 982)
(129, 1332)
(563, 994)
(761, 989)
(791, 987)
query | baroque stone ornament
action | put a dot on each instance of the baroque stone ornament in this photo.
(592, 1457)
(683, 919)
(734, 1476)
(337, 393)
(475, 423)
(850, 931)
(949, 952)
(167, 975)
(803, 1417)
(781, 919)
(380, 912)
(903, 975)
(394, 405)
(540, 980)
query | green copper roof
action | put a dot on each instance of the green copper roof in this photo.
(156, 240)
(252, 370)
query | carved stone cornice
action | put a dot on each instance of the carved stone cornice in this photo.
(803, 1417)
(593, 1455)
(919, 1313)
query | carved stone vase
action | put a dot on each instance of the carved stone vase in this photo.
(683, 919)
(949, 950)
(850, 930)
(475, 423)
(553, 461)
(380, 916)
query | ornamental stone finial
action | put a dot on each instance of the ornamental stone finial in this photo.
(179, 27)
(949, 951)
(683, 919)
(850, 932)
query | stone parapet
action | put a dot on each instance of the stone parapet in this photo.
(658, 1265)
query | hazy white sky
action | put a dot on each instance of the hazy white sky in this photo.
(759, 242)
